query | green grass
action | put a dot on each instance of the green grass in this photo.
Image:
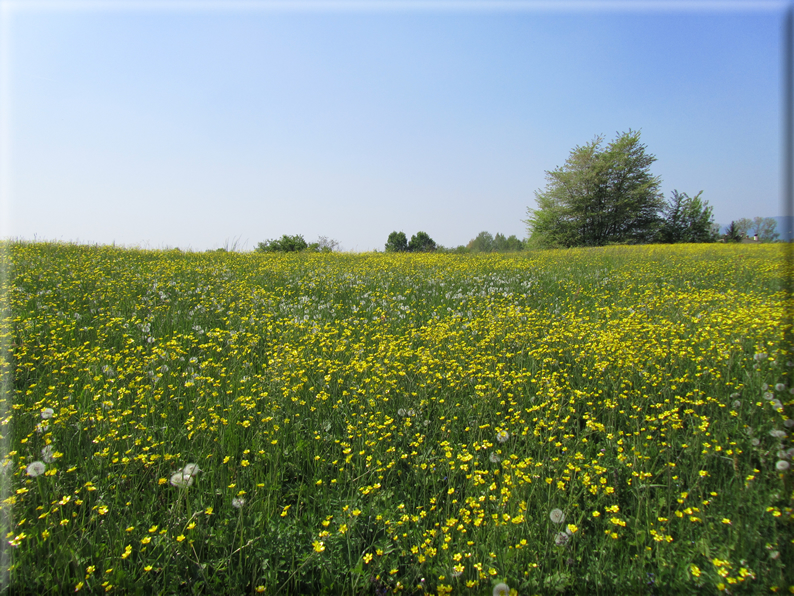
(353, 406)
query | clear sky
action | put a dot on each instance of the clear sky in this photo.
(199, 125)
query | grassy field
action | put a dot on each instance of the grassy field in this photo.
(596, 421)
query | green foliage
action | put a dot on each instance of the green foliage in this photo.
(484, 242)
(600, 196)
(743, 226)
(285, 244)
(765, 228)
(397, 242)
(421, 242)
(687, 219)
(298, 244)
(732, 234)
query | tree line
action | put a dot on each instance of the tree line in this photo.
(607, 195)
(601, 195)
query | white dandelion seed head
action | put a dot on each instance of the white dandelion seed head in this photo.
(502, 436)
(401, 412)
(411, 413)
(775, 403)
(36, 468)
(760, 356)
(494, 458)
(41, 427)
(501, 589)
(768, 395)
(237, 502)
(782, 465)
(789, 423)
(737, 403)
(764, 387)
(191, 470)
(48, 454)
(777, 434)
(734, 395)
(561, 538)
(181, 480)
(47, 413)
(780, 387)
(557, 516)
(755, 442)
(783, 454)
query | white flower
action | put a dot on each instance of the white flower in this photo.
(557, 516)
(47, 413)
(501, 590)
(181, 480)
(237, 502)
(36, 469)
(191, 470)
(561, 538)
(782, 465)
(502, 436)
(48, 454)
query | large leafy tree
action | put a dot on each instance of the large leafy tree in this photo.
(397, 242)
(765, 228)
(285, 244)
(687, 219)
(601, 195)
(421, 242)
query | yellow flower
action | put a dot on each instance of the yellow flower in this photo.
(180, 538)
(596, 513)
(244, 463)
(318, 546)
(367, 558)
(146, 540)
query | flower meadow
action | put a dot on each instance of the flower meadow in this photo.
(593, 421)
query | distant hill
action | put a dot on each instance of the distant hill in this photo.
(786, 231)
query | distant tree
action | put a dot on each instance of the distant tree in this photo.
(483, 242)
(766, 228)
(600, 196)
(514, 244)
(285, 244)
(397, 242)
(324, 244)
(421, 242)
(743, 226)
(732, 234)
(687, 219)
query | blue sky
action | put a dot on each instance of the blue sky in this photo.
(195, 125)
